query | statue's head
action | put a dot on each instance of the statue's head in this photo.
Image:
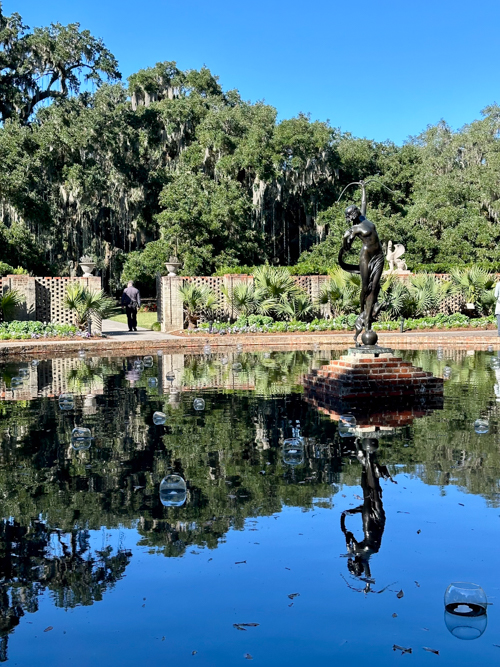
(352, 212)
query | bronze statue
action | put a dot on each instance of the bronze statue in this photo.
(371, 265)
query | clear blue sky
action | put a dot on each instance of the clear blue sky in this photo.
(383, 69)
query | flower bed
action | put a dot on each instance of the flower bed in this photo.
(262, 324)
(18, 330)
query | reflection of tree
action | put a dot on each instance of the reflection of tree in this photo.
(29, 564)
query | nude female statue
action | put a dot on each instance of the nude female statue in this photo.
(371, 265)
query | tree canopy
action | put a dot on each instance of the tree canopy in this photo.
(91, 165)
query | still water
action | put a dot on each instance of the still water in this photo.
(140, 524)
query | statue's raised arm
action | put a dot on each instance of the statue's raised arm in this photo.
(371, 265)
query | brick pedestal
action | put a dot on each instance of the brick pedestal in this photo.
(379, 388)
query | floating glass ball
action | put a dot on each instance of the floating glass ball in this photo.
(159, 353)
(465, 610)
(199, 404)
(347, 424)
(66, 401)
(170, 376)
(440, 353)
(207, 349)
(139, 365)
(16, 382)
(81, 354)
(293, 451)
(490, 348)
(81, 438)
(173, 491)
(35, 362)
(495, 363)
(481, 426)
(446, 373)
(267, 355)
(23, 372)
(224, 361)
(148, 362)
(152, 382)
(237, 367)
(159, 418)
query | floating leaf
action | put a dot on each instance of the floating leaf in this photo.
(293, 595)
(394, 615)
(238, 627)
(248, 656)
(400, 594)
(403, 650)
(49, 628)
(240, 562)
(430, 650)
(418, 532)
(192, 652)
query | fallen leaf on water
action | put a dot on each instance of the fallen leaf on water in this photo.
(195, 552)
(344, 496)
(403, 650)
(293, 595)
(240, 562)
(417, 584)
(430, 650)
(248, 656)
(394, 616)
(401, 512)
(461, 504)
(49, 628)
(248, 625)
(231, 496)
(238, 627)
(497, 645)
(418, 532)
(291, 605)
(287, 568)
(400, 594)
(358, 497)
(192, 652)
(210, 559)
(163, 639)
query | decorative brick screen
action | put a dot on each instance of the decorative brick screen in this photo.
(43, 298)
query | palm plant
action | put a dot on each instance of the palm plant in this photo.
(298, 307)
(475, 285)
(86, 303)
(340, 292)
(274, 285)
(198, 300)
(396, 298)
(243, 299)
(9, 302)
(428, 293)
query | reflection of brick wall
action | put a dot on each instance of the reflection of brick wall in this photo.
(44, 297)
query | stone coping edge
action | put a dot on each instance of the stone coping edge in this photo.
(250, 342)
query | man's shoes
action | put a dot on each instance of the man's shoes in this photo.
(130, 329)
(135, 329)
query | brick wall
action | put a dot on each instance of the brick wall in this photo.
(43, 297)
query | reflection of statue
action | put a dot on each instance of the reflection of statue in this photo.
(371, 264)
(393, 257)
(372, 512)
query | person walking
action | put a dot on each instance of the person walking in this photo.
(497, 307)
(131, 299)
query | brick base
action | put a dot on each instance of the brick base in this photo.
(380, 390)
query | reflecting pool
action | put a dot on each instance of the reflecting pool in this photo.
(125, 537)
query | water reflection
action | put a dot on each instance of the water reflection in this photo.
(243, 458)
(371, 510)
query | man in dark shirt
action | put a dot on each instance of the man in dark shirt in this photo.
(131, 299)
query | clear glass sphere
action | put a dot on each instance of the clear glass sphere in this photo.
(173, 491)
(159, 418)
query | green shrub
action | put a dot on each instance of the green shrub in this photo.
(23, 330)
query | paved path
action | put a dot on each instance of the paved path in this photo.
(120, 331)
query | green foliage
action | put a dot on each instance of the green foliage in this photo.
(28, 329)
(475, 285)
(341, 293)
(86, 303)
(142, 266)
(198, 301)
(9, 302)
(46, 64)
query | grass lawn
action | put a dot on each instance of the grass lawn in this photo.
(144, 320)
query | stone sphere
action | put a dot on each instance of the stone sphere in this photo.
(369, 337)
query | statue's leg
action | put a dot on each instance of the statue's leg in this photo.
(358, 325)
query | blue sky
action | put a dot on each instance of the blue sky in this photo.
(383, 69)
